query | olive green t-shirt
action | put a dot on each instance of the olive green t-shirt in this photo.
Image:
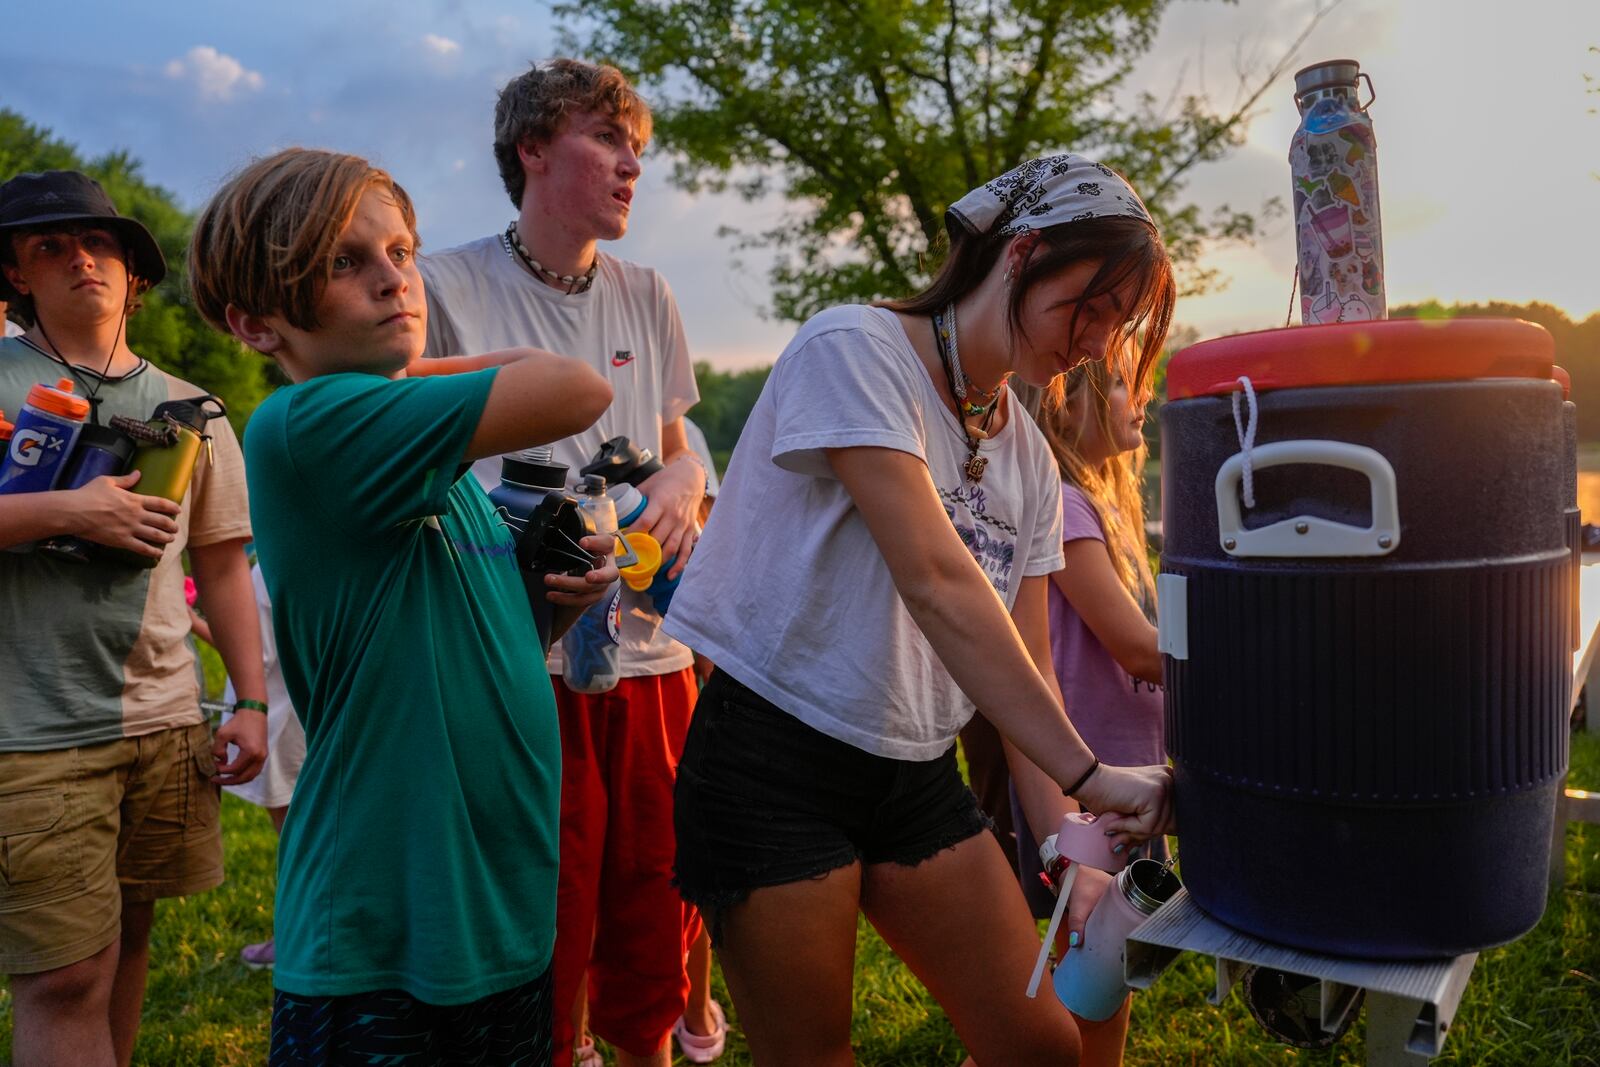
(420, 850)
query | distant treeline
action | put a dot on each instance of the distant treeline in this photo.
(1577, 346)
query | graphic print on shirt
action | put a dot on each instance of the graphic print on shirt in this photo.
(622, 357)
(991, 540)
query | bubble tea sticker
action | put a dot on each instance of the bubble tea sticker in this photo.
(1333, 158)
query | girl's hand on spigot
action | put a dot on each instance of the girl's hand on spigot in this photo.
(1131, 804)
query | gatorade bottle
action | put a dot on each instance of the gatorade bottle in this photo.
(46, 429)
(590, 651)
(167, 447)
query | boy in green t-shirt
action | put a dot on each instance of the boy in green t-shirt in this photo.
(417, 872)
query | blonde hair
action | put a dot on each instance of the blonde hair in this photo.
(1112, 486)
(265, 242)
(535, 105)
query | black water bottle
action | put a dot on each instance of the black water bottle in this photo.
(100, 451)
(546, 523)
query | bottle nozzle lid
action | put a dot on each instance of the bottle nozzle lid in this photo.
(593, 485)
(59, 400)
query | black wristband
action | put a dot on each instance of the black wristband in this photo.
(1081, 782)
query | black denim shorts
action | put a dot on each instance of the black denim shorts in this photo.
(762, 799)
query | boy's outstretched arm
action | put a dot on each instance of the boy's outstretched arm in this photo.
(104, 511)
(537, 397)
(222, 575)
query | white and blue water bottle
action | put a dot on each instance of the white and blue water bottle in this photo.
(591, 651)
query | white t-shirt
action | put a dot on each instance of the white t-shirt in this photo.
(788, 592)
(286, 738)
(626, 326)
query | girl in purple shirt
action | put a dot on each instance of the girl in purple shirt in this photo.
(1102, 607)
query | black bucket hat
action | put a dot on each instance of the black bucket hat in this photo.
(41, 198)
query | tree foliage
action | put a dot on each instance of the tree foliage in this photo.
(168, 331)
(726, 398)
(872, 117)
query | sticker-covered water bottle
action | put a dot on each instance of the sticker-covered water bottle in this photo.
(1333, 158)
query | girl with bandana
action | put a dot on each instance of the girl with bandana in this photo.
(877, 568)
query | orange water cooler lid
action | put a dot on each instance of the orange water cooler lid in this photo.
(1364, 353)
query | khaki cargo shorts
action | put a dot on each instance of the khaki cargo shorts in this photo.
(84, 829)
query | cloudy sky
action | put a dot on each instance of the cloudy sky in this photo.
(1489, 144)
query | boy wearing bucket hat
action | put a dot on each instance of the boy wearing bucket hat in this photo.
(108, 767)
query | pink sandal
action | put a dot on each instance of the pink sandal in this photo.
(698, 1049)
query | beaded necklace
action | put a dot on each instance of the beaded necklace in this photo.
(511, 241)
(974, 467)
(959, 382)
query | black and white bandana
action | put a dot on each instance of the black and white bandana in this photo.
(1046, 192)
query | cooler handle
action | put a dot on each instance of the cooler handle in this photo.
(1307, 536)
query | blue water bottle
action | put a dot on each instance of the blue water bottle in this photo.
(101, 451)
(526, 479)
(46, 429)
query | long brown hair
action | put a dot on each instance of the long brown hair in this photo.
(1112, 486)
(1127, 249)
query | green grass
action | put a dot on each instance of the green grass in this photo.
(1535, 1002)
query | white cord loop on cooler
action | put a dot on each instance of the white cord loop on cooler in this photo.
(1247, 437)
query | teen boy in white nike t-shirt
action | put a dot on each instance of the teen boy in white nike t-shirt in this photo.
(567, 138)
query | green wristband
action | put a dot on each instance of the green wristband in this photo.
(250, 705)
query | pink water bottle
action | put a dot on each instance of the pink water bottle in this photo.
(1078, 843)
(1090, 979)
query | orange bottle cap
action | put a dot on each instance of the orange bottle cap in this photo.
(59, 401)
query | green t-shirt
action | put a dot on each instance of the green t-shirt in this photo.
(420, 849)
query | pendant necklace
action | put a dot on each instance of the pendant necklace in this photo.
(945, 340)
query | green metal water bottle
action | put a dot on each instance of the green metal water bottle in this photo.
(168, 447)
